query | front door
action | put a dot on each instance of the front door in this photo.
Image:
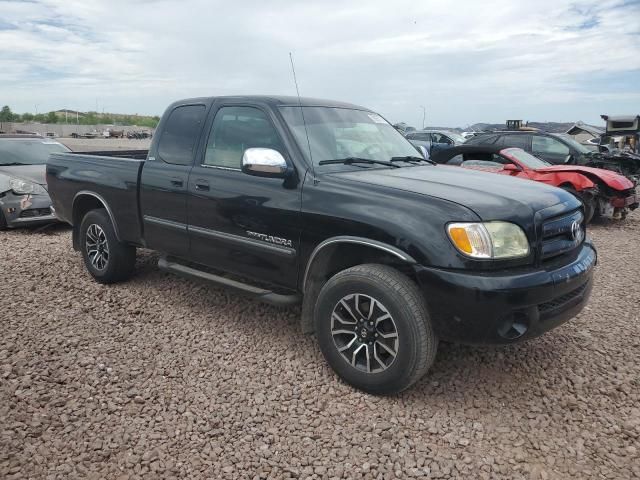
(165, 176)
(241, 223)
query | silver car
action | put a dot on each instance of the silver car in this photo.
(23, 188)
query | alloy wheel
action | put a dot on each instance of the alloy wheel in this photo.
(97, 247)
(364, 333)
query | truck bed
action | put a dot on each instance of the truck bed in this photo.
(110, 175)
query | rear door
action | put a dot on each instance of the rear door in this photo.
(164, 181)
(549, 149)
(241, 223)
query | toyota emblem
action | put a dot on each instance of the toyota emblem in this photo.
(576, 231)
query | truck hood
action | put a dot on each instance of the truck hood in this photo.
(490, 196)
(611, 179)
(32, 173)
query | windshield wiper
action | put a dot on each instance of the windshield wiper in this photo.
(12, 164)
(412, 158)
(352, 160)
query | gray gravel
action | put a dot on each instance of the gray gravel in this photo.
(163, 377)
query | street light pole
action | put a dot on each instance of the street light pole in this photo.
(424, 115)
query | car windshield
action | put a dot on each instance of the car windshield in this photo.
(569, 139)
(525, 158)
(32, 151)
(337, 133)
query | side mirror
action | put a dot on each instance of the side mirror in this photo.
(423, 151)
(264, 162)
(511, 167)
(568, 159)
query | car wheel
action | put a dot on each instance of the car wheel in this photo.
(374, 329)
(107, 259)
(589, 202)
(3, 222)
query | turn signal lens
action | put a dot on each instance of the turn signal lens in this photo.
(489, 240)
(461, 239)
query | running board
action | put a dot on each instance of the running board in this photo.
(259, 294)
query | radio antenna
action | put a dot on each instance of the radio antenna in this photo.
(306, 132)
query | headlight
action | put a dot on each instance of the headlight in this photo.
(497, 240)
(23, 187)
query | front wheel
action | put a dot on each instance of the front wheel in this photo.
(588, 201)
(374, 329)
(107, 259)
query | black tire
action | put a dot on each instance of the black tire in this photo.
(415, 344)
(588, 202)
(120, 259)
(3, 222)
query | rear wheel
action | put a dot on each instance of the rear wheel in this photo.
(3, 222)
(374, 329)
(107, 259)
(588, 201)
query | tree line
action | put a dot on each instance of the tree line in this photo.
(88, 118)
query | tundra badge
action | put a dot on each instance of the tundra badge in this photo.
(270, 239)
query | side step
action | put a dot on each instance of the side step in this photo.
(259, 294)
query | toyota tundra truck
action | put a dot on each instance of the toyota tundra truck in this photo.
(324, 204)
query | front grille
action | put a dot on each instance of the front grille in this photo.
(561, 235)
(562, 301)
(35, 212)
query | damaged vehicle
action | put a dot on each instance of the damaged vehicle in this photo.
(562, 149)
(605, 194)
(23, 189)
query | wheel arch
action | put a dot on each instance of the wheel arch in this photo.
(339, 253)
(83, 202)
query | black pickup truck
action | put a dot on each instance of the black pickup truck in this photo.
(325, 204)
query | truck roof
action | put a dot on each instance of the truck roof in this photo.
(273, 101)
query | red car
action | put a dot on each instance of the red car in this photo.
(604, 193)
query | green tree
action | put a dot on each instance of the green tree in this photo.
(52, 117)
(6, 115)
(27, 117)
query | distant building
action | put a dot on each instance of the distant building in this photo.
(582, 133)
(68, 113)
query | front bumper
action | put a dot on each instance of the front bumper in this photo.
(500, 308)
(26, 210)
(630, 201)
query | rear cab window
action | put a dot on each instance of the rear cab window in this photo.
(180, 134)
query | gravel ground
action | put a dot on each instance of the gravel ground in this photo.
(163, 377)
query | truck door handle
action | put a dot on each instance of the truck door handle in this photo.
(177, 182)
(202, 185)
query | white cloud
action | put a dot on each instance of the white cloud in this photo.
(467, 62)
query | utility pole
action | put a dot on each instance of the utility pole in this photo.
(424, 115)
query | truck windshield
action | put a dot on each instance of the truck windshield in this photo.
(336, 133)
(33, 151)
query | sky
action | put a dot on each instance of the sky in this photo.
(464, 61)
